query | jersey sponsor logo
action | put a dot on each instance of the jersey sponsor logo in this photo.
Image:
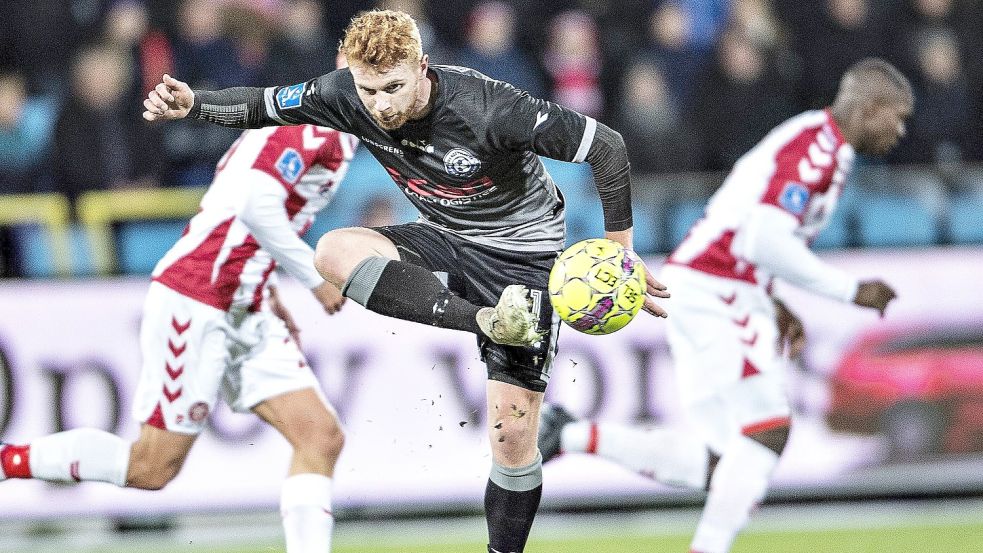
(381, 146)
(443, 194)
(291, 96)
(290, 165)
(794, 198)
(461, 163)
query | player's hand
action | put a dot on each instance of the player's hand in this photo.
(654, 288)
(791, 334)
(330, 297)
(281, 311)
(874, 294)
(171, 99)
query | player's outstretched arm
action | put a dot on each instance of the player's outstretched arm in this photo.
(241, 107)
(608, 158)
(171, 99)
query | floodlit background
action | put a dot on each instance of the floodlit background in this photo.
(886, 451)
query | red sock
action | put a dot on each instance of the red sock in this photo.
(15, 461)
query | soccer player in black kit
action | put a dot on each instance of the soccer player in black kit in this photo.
(463, 148)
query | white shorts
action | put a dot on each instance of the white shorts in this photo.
(191, 349)
(724, 343)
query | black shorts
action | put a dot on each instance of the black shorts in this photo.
(478, 274)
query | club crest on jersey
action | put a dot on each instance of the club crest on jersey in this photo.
(461, 163)
(290, 97)
(794, 198)
(290, 165)
(198, 412)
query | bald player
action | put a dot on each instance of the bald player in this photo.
(729, 335)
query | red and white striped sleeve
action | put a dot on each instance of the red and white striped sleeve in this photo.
(265, 214)
(769, 241)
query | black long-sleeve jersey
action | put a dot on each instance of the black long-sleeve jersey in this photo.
(470, 165)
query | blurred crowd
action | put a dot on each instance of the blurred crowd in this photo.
(691, 84)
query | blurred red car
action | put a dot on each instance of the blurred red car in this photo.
(921, 387)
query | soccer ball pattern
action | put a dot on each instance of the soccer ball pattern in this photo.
(596, 286)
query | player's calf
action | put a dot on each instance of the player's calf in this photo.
(157, 457)
(515, 484)
(410, 292)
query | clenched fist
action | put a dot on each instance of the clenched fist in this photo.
(171, 99)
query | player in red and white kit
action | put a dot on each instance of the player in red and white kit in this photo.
(726, 330)
(213, 323)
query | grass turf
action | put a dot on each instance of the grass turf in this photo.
(954, 538)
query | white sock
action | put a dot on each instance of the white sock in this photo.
(739, 483)
(83, 454)
(669, 455)
(305, 505)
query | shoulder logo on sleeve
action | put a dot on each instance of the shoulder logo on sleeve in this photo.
(290, 97)
(290, 165)
(461, 163)
(794, 198)
(540, 119)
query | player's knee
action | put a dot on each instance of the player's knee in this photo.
(328, 441)
(319, 442)
(774, 439)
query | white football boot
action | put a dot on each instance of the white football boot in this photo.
(511, 322)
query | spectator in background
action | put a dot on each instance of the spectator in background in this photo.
(708, 18)
(38, 38)
(205, 52)
(741, 97)
(491, 48)
(759, 21)
(203, 49)
(962, 21)
(250, 26)
(911, 17)
(574, 63)
(659, 140)
(439, 52)
(26, 125)
(296, 51)
(671, 40)
(939, 131)
(98, 144)
(844, 32)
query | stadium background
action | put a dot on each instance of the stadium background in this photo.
(90, 197)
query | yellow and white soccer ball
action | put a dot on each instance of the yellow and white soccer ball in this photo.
(596, 286)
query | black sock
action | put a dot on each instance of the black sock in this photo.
(410, 292)
(509, 515)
